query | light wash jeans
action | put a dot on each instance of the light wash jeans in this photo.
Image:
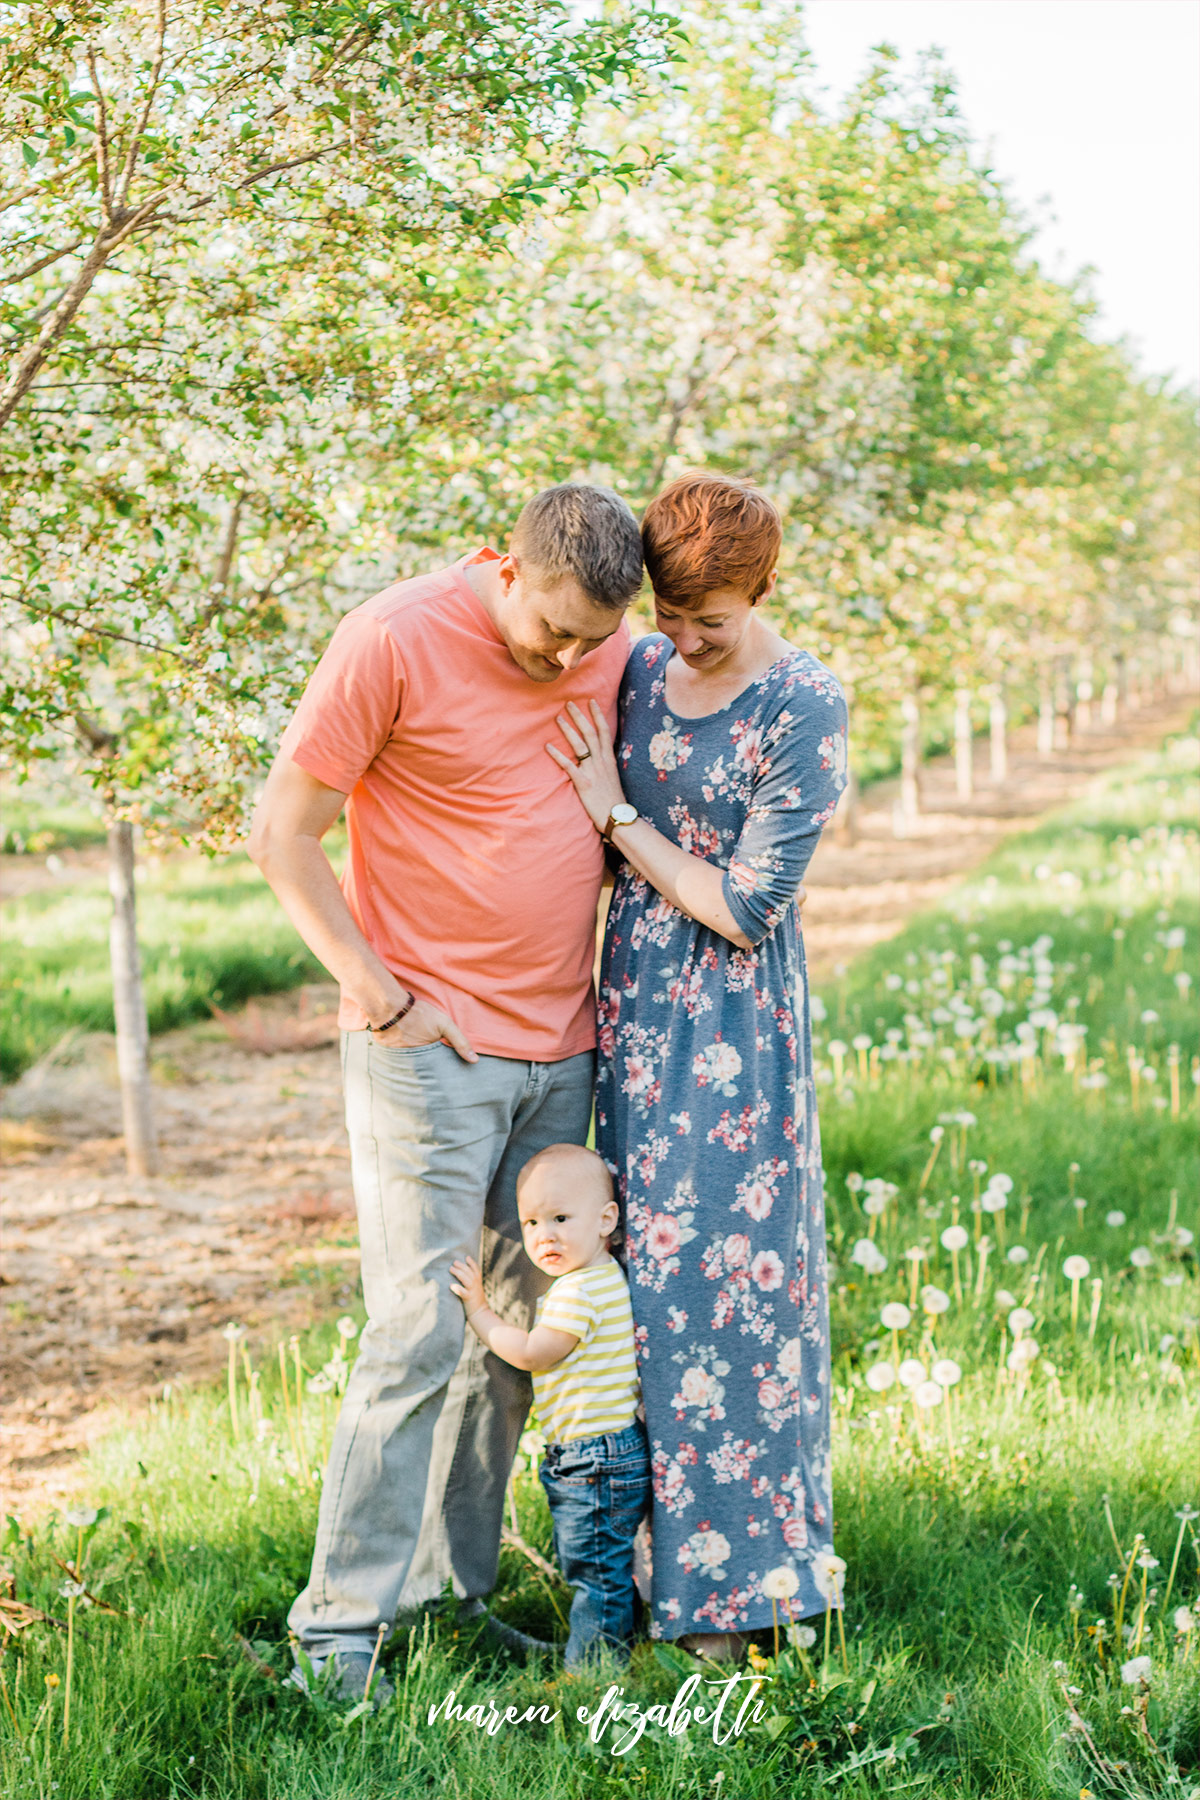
(413, 1494)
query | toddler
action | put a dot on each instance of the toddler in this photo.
(596, 1470)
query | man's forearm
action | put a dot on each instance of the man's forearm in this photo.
(306, 887)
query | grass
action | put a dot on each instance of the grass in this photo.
(982, 1523)
(209, 930)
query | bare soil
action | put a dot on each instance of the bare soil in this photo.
(112, 1287)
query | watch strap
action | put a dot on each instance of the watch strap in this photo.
(610, 824)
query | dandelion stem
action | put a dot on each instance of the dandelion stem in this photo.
(1141, 1618)
(8, 1702)
(1094, 1317)
(287, 1406)
(842, 1633)
(234, 1423)
(66, 1726)
(379, 1637)
(1112, 1530)
(1119, 1611)
(302, 1449)
(1174, 1563)
(828, 1623)
(775, 1624)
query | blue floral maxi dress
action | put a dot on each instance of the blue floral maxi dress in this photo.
(706, 1113)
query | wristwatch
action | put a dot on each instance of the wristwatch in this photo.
(622, 814)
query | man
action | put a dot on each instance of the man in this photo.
(462, 936)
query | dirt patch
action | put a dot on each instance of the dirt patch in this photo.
(112, 1287)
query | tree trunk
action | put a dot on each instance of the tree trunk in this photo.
(1045, 729)
(964, 745)
(1109, 700)
(129, 1005)
(845, 819)
(910, 757)
(1191, 664)
(998, 734)
(1064, 708)
(1084, 691)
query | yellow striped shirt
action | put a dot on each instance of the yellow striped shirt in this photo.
(595, 1388)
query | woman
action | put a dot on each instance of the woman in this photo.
(732, 755)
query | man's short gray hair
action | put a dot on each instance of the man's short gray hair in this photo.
(586, 533)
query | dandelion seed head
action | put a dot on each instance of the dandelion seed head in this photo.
(946, 1372)
(911, 1372)
(780, 1583)
(895, 1316)
(1020, 1319)
(935, 1299)
(1017, 1254)
(880, 1376)
(1136, 1669)
(827, 1573)
(1115, 1217)
(1140, 1257)
(1076, 1268)
(955, 1237)
(80, 1517)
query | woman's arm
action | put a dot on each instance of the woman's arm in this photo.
(534, 1351)
(692, 885)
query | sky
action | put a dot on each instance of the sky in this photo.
(1090, 111)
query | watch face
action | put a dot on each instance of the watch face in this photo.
(624, 813)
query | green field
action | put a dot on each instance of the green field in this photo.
(1018, 1537)
(209, 930)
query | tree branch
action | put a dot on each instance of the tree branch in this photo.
(82, 625)
(36, 187)
(126, 175)
(42, 262)
(72, 299)
(224, 561)
(106, 197)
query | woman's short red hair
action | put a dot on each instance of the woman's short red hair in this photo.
(710, 531)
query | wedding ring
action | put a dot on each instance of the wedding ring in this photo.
(583, 755)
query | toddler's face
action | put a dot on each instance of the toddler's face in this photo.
(563, 1228)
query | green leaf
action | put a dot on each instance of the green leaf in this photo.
(30, 155)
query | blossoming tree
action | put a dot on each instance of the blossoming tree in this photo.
(230, 231)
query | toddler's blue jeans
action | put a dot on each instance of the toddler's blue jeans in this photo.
(599, 1493)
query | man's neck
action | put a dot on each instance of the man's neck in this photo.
(484, 582)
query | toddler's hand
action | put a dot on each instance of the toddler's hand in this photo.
(468, 1284)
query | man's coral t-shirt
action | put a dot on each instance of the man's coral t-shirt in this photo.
(473, 870)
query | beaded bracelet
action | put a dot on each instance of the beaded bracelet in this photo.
(395, 1019)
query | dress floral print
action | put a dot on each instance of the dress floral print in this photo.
(706, 1113)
